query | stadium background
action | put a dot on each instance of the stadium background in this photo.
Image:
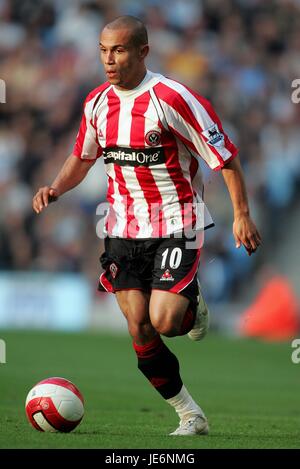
(242, 55)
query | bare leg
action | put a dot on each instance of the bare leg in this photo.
(134, 304)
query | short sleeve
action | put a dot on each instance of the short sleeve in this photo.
(193, 120)
(86, 145)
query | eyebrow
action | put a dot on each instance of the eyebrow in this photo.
(113, 47)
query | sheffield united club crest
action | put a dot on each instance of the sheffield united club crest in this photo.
(153, 138)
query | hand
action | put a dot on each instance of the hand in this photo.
(44, 196)
(246, 233)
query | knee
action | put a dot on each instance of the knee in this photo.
(139, 325)
(166, 323)
(135, 306)
(140, 331)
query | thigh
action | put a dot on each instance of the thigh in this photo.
(166, 307)
(134, 304)
(175, 271)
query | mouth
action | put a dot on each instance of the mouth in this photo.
(111, 74)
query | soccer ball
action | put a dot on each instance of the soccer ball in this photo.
(54, 405)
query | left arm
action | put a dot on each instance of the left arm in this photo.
(193, 120)
(244, 229)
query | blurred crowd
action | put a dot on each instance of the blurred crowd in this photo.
(241, 54)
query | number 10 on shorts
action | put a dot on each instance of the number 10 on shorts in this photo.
(174, 258)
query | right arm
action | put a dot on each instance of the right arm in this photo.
(86, 151)
(71, 174)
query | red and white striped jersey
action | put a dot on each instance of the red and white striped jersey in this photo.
(151, 139)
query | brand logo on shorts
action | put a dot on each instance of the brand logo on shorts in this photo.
(113, 270)
(153, 138)
(167, 276)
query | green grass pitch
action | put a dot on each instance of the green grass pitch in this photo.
(248, 389)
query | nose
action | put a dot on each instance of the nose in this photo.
(110, 58)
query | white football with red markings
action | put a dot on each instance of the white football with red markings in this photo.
(54, 405)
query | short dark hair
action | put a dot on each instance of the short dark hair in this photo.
(139, 32)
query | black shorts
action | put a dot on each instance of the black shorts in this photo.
(161, 264)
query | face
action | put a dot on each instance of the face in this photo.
(123, 62)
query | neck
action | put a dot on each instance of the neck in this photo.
(138, 80)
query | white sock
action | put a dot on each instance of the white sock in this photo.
(185, 405)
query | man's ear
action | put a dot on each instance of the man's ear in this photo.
(144, 50)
